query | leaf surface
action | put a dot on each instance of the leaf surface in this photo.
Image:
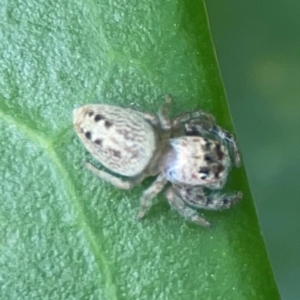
(64, 233)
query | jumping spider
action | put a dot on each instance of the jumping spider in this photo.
(191, 152)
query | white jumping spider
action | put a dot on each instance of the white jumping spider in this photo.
(190, 151)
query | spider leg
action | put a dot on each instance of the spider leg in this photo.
(199, 115)
(163, 113)
(183, 209)
(162, 121)
(115, 181)
(229, 140)
(150, 193)
(153, 120)
(196, 197)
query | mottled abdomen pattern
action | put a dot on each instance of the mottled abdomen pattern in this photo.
(120, 138)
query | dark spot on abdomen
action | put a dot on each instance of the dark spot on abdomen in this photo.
(108, 124)
(88, 135)
(135, 154)
(115, 153)
(98, 118)
(98, 142)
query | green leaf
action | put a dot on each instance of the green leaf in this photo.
(64, 233)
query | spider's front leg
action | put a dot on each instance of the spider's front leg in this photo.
(229, 140)
(196, 197)
(183, 209)
(207, 120)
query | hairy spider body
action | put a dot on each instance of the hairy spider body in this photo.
(138, 145)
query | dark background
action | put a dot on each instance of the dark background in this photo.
(258, 48)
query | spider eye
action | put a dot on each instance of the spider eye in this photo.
(207, 158)
(204, 170)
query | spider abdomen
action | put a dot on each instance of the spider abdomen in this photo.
(120, 138)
